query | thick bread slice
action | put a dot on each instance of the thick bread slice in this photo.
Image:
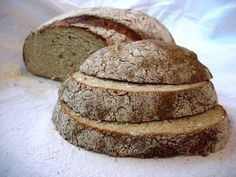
(146, 61)
(56, 50)
(109, 100)
(135, 24)
(196, 135)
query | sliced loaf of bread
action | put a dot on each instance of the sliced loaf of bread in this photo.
(109, 100)
(195, 135)
(59, 46)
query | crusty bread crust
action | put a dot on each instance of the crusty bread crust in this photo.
(134, 24)
(108, 100)
(90, 135)
(146, 61)
(103, 23)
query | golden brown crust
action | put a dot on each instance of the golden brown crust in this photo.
(115, 143)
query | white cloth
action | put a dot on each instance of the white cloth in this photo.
(29, 144)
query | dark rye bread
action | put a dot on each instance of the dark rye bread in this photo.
(109, 100)
(196, 135)
(58, 47)
(146, 61)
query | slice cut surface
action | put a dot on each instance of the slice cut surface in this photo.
(55, 52)
(200, 134)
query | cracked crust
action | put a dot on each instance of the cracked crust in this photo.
(133, 24)
(146, 61)
(106, 24)
(108, 100)
(196, 135)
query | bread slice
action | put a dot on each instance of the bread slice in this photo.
(146, 61)
(108, 100)
(196, 135)
(58, 47)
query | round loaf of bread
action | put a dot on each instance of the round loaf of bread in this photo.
(109, 100)
(195, 135)
(59, 46)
